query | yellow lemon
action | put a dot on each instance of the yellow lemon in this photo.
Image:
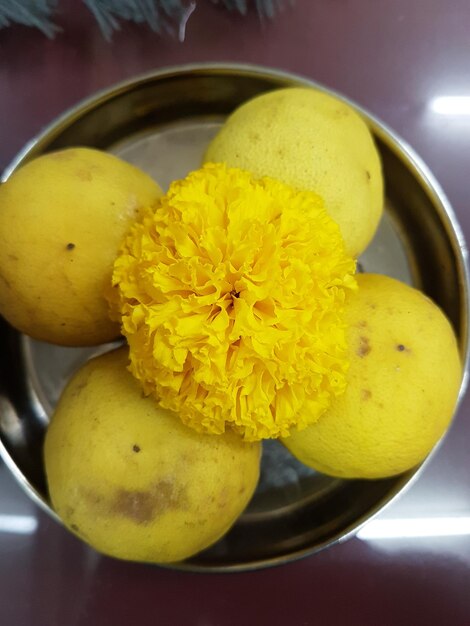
(62, 218)
(131, 480)
(312, 141)
(402, 386)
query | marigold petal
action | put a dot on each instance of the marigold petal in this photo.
(231, 295)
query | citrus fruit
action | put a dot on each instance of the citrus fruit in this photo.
(312, 141)
(402, 386)
(62, 218)
(134, 482)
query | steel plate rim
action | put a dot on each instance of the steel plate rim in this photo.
(400, 147)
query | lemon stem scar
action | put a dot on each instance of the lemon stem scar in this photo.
(231, 294)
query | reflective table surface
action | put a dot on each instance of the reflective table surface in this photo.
(407, 62)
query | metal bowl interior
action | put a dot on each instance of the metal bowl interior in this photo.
(162, 122)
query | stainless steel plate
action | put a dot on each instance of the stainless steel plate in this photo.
(162, 123)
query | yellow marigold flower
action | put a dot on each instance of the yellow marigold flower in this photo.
(231, 296)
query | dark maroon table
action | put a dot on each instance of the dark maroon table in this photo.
(395, 58)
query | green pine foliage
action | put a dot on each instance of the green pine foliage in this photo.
(35, 13)
(161, 16)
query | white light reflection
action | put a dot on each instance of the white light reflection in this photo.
(415, 528)
(451, 105)
(18, 524)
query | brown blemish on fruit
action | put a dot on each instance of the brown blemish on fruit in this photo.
(75, 527)
(77, 390)
(366, 394)
(402, 348)
(13, 257)
(93, 499)
(144, 506)
(139, 506)
(84, 175)
(364, 347)
(362, 324)
(136, 448)
(168, 496)
(339, 113)
(368, 175)
(70, 246)
(189, 458)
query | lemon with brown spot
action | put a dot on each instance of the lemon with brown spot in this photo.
(402, 386)
(62, 219)
(131, 480)
(312, 141)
